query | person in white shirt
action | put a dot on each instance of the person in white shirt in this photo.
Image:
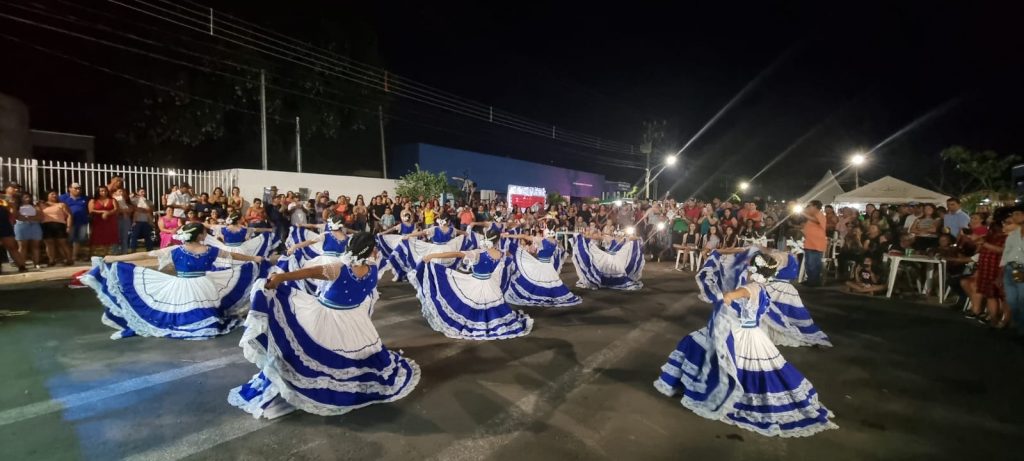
(298, 213)
(142, 225)
(1012, 263)
(180, 200)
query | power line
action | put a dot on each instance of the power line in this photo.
(209, 22)
(149, 83)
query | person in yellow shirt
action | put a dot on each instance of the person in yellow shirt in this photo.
(429, 215)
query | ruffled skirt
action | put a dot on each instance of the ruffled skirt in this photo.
(537, 283)
(597, 268)
(317, 359)
(787, 322)
(461, 306)
(260, 245)
(408, 254)
(147, 302)
(743, 380)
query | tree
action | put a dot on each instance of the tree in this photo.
(555, 198)
(985, 170)
(422, 183)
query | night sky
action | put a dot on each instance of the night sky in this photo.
(822, 79)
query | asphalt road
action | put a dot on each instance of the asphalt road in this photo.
(906, 381)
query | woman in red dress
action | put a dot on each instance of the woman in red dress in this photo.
(103, 229)
(989, 274)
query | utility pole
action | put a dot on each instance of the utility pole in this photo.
(263, 117)
(383, 151)
(298, 146)
(654, 131)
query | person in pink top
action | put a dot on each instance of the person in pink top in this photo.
(168, 225)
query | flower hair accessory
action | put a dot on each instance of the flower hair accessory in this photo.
(442, 222)
(184, 235)
(335, 225)
(486, 244)
(348, 259)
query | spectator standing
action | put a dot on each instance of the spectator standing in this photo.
(815, 242)
(103, 211)
(989, 293)
(180, 200)
(8, 212)
(124, 213)
(58, 222)
(1012, 262)
(955, 219)
(297, 215)
(926, 229)
(142, 221)
(78, 206)
(27, 230)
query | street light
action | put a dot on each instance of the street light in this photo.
(670, 160)
(744, 186)
(856, 160)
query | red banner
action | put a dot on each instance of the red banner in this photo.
(526, 201)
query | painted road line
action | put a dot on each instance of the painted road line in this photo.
(505, 427)
(244, 424)
(53, 405)
(33, 410)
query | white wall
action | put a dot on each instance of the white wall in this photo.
(252, 182)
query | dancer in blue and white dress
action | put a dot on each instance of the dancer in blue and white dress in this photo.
(619, 265)
(729, 370)
(387, 241)
(322, 249)
(787, 322)
(410, 251)
(320, 353)
(535, 279)
(499, 226)
(470, 305)
(199, 302)
(245, 240)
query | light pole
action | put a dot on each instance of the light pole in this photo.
(856, 160)
(744, 186)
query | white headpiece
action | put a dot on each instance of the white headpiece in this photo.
(486, 244)
(442, 221)
(335, 225)
(183, 235)
(348, 259)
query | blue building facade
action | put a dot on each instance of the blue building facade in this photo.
(491, 172)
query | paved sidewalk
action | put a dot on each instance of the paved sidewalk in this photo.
(12, 279)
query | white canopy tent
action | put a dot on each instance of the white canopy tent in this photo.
(825, 190)
(890, 190)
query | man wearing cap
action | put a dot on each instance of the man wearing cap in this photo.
(180, 200)
(78, 203)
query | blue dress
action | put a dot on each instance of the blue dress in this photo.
(619, 267)
(440, 236)
(386, 244)
(536, 280)
(320, 354)
(470, 305)
(731, 372)
(239, 242)
(199, 303)
(407, 254)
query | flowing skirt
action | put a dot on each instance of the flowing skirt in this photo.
(736, 375)
(317, 359)
(597, 268)
(146, 302)
(260, 245)
(787, 322)
(462, 306)
(537, 283)
(408, 254)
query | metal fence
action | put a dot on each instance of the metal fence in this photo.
(40, 176)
